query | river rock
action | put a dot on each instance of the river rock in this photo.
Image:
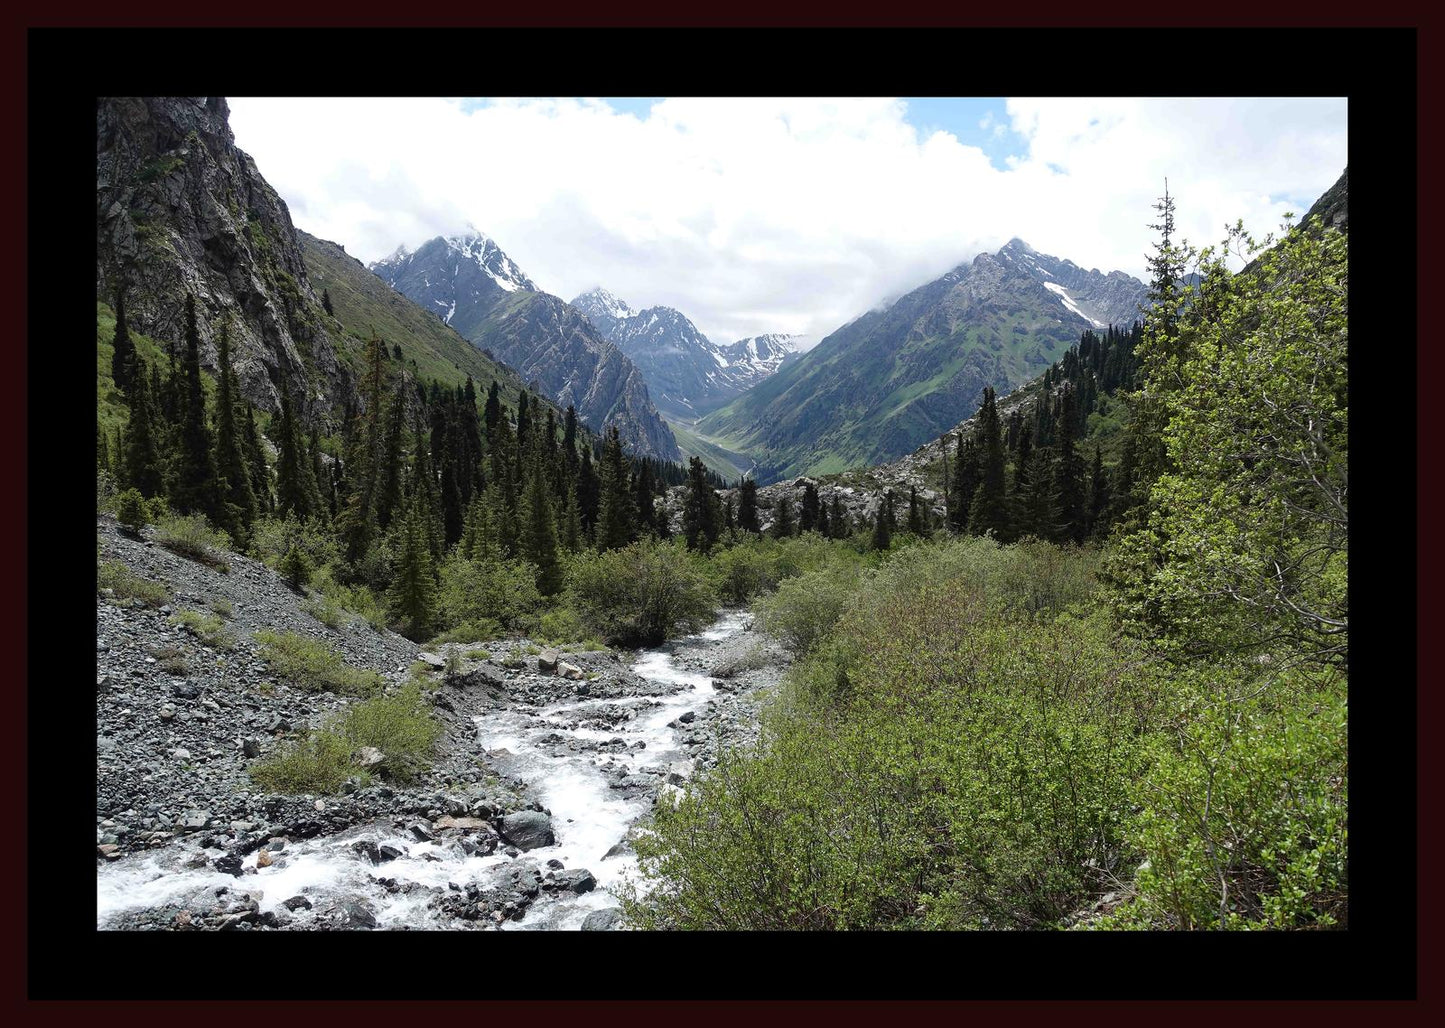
(359, 912)
(607, 920)
(571, 671)
(528, 829)
(547, 660)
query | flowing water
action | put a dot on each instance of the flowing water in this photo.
(589, 818)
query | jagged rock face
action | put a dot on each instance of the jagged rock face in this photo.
(179, 209)
(554, 346)
(459, 278)
(894, 378)
(1332, 210)
(687, 374)
(478, 290)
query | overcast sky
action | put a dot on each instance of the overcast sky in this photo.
(784, 215)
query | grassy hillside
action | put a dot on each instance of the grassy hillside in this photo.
(364, 303)
(725, 462)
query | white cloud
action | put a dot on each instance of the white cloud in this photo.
(779, 215)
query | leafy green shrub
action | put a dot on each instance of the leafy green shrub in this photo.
(400, 725)
(483, 589)
(806, 609)
(296, 568)
(641, 594)
(319, 762)
(312, 665)
(192, 536)
(222, 606)
(746, 570)
(209, 628)
(1243, 812)
(273, 538)
(478, 655)
(974, 773)
(561, 625)
(358, 599)
(750, 659)
(479, 630)
(323, 610)
(126, 586)
(132, 511)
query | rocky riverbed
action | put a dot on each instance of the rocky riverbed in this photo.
(546, 763)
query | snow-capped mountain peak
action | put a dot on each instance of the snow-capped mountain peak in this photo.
(600, 301)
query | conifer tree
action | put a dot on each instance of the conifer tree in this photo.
(1069, 475)
(292, 467)
(539, 528)
(882, 525)
(838, 519)
(318, 472)
(808, 511)
(493, 412)
(413, 590)
(260, 474)
(966, 476)
(143, 466)
(239, 499)
(783, 523)
(699, 526)
(123, 359)
(615, 515)
(389, 498)
(989, 508)
(573, 537)
(326, 303)
(825, 526)
(588, 490)
(1098, 522)
(730, 520)
(196, 486)
(748, 507)
(916, 524)
(475, 543)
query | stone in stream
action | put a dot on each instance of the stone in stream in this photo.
(358, 912)
(527, 829)
(297, 903)
(607, 920)
(367, 849)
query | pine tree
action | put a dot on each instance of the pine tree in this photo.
(588, 490)
(413, 590)
(882, 525)
(916, 524)
(539, 528)
(326, 303)
(195, 486)
(615, 516)
(748, 507)
(143, 466)
(1069, 476)
(967, 473)
(260, 474)
(838, 519)
(989, 509)
(123, 359)
(493, 411)
(825, 526)
(783, 523)
(808, 511)
(389, 498)
(699, 526)
(573, 537)
(1098, 522)
(238, 499)
(292, 467)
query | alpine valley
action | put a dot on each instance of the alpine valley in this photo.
(429, 600)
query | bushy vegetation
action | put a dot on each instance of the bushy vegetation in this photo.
(641, 594)
(209, 628)
(191, 536)
(128, 587)
(312, 665)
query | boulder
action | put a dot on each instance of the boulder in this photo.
(432, 660)
(606, 920)
(527, 829)
(369, 756)
(571, 671)
(547, 660)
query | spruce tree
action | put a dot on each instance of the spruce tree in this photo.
(573, 538)
(730, 520)
(882, 525)
(615, 516)
(413, 590)
(539, 528)
(808, 511)
(493, 410)
(748, 507)
(389, 498)
(259, 473)
(195, 484)
(1069, 476)
(143, 465)
(326, 303)
(699, 527)
(967, 473)
(588, 490)
(239, 499)
(825, 525)
(838, 519)
(292, 467)
(916, 524)
(988, 510)
(1098, 522)
(123, 359)
(783, 522)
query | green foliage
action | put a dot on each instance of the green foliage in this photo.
(132, 511)
(502, 592)
(296, 568)
(209, 628)
(329, 614)
(319, 762)
(805, 609)
(190, 535)
(127, 587)
(222, 606)
(640, 595)
(561, 625)
(312, 665)
(400, 725)
(1243, 811)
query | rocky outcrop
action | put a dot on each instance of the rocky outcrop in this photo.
(179, 209)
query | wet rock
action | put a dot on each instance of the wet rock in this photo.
(263, 858)
(109, 851)
(195, 818)
(387, 852)
(229, 864)
(297, 903)
(578, 881)
(466, 823)
(607, 920)
(359, 912)
(368, 850)
(422, 831)
(527, 829)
